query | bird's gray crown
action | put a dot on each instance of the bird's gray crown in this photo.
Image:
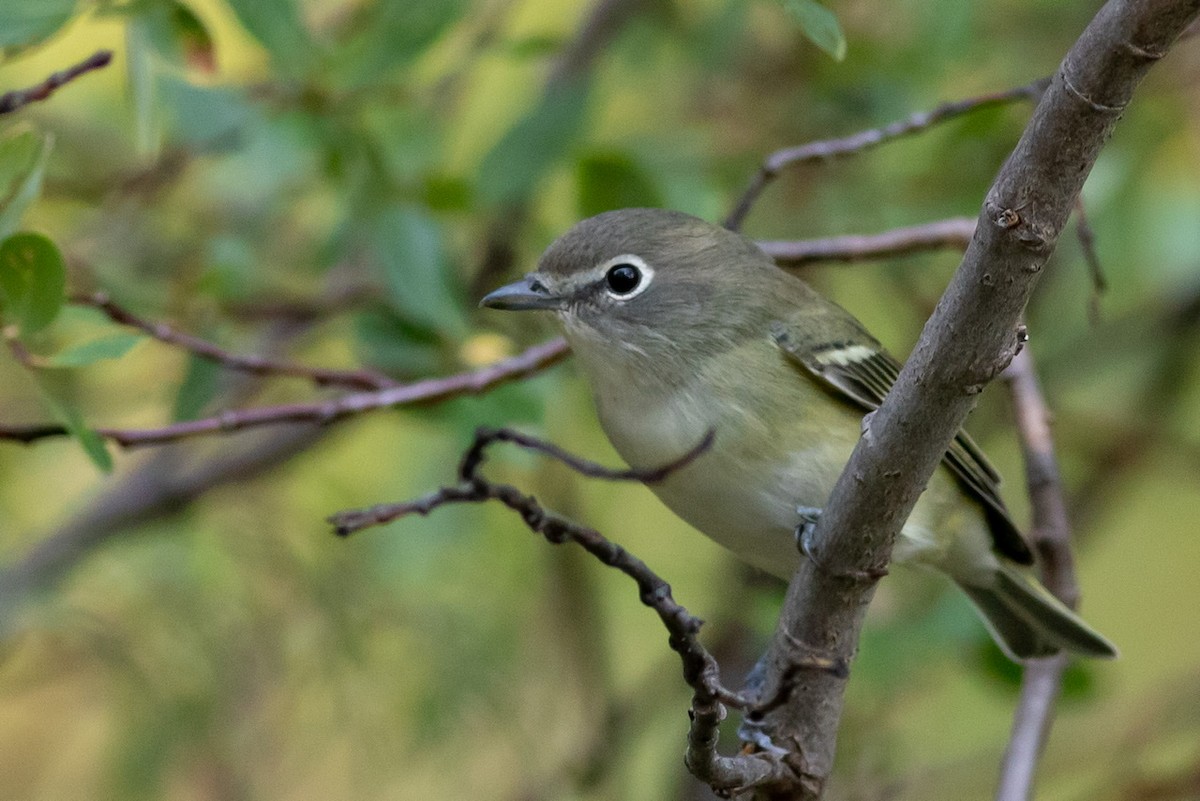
(663, 238)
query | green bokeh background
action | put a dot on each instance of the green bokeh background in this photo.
(230, 647)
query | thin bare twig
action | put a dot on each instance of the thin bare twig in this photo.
(954, 233)
(1087, 243)
(349, 522)
(1051, 537)
(827, 149)
(258, 365)
(700, 669)
(19, 98)
(431, 390)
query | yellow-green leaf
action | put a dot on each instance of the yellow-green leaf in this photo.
(22, 165)
(111, 346)
(32, 281)
(820, 26)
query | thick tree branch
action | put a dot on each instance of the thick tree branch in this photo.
(970, 338)
(19, 98)
(829, 149)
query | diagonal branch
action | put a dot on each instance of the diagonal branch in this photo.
(432, 390)
(257, 365)
(19, 98)
(954, 233)
(970, 338)
(700, 668)
(828, 149)
(348, 523)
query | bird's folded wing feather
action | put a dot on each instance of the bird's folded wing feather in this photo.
(858, 369)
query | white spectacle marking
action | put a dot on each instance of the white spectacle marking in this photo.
(636, 261)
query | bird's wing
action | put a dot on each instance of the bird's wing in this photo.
(859, 369)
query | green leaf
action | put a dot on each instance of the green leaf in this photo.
(819, 25)
(203, 116)
(609, 181)
(22, 166)
(537, 46)
(199, 386)
(397, 345)
(193, 38)
(517, 162)
(112, 346)
(32, 281)
(390, 34)
(176, 34)
(56, 391)
(276, 24)
(27, 22)
(406, 243)
(140, 73)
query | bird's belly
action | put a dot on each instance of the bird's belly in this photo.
(744, 491)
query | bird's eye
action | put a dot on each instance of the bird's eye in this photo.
(623, 278)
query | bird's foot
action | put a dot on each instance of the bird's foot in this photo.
(751, 733)
(809, 516)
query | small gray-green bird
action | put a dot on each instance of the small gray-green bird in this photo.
(683, 327)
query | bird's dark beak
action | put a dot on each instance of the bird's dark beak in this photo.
(528, 293)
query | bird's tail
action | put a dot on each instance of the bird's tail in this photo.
(1028, 622)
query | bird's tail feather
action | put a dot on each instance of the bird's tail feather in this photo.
(1028, 622)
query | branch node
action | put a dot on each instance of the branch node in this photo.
(1094, 105)
(1142, 52)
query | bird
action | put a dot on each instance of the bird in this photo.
(682, 327)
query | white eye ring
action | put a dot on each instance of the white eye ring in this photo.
(611, 277)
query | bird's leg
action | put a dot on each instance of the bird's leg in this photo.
(809, 515)
(751, 732)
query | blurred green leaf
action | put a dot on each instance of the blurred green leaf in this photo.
(140, 74)
(609, 181)
(535, 46)
(819, 24)
(199, 386)
(513, 167)
(447, 193)
(22, 166)
(396, 345)
(193, 37)
(277, 25)
(32, 281)
(113, 346)
(176, 34)
(56, 391)
(407, 140)
(391, 33)
(208, 117)
(406, 243)
(27, 22)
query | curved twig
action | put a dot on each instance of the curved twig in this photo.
(19, 98)
(827, 149)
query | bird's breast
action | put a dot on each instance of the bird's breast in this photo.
(743, 491)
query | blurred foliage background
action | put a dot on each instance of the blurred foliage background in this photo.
(337, 183)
